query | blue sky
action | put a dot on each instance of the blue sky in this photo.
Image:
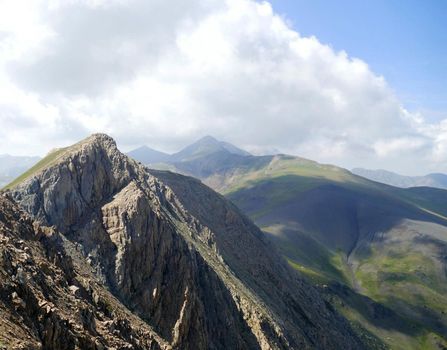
(405, 41)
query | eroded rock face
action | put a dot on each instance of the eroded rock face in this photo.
(178, 255)
(50, 301)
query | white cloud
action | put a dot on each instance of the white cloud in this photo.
(166, 72)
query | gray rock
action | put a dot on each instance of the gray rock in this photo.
(178, 255)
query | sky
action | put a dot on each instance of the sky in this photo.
(403, 41)
(347, 83)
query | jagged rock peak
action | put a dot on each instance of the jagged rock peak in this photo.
(177, 254)
(48, 300)
(95, 144)
(98, 140)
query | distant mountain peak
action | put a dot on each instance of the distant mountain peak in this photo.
(205, 146)
(148, 155)
(99, 139)
(142, 148)
(208, 138)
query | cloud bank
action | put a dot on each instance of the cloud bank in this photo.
(166, 72)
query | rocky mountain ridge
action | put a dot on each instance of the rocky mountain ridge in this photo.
(51, 300)
(178, 255)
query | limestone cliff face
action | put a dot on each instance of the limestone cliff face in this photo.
(49, 300)
(178, 255)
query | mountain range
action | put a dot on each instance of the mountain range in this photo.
(202, 147)
(100, 252)
(436, 180)
(103, 251)
(377, 252)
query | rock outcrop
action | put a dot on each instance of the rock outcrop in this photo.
(51, 300)
(176, 254)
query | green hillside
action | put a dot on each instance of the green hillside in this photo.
(385, 244)
(40, 165)
(383, 247)
(378, 250)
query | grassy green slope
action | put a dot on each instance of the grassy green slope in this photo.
(380, 242)
(51, 158)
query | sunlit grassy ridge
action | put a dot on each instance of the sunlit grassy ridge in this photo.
(286, 197)
(52, 158)
(282, 167)
(44, 163)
